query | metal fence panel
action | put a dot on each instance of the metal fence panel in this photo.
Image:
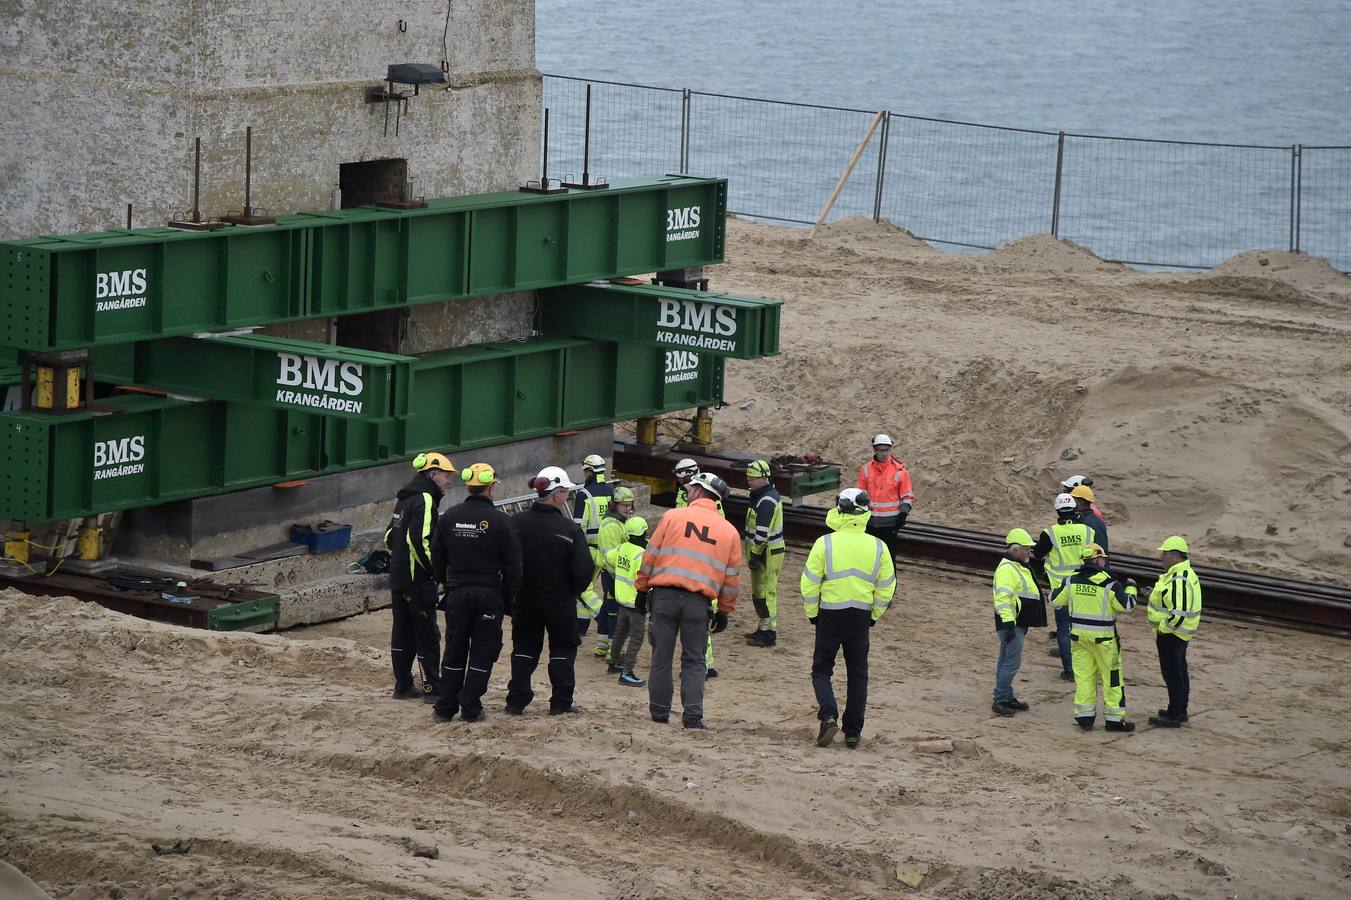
(1324, 210)
(1173, 204)
(635, 129)
(782, 160)
(969, 185)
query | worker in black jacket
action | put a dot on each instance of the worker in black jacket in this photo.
(409, 541)
(558, 567)
(477, 557)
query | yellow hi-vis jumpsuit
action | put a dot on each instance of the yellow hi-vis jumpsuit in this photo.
(609, 535)
(764, 553)
(1094, 599)
(683, 499)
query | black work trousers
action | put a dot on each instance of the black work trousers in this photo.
(529, 624)
(847, 629)
(416, 635)
(885, 532)
(1173, 665)
(473, 642)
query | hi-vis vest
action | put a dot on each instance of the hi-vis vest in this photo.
(1013, 584)
(594, 498)
(1094, 600)
(626, 560)
(766, 536)
(1175, 603)
(1067, 539)
(610, 536)
(848, 569)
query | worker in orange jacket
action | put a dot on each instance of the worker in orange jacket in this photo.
(887, 482)
(691, 572)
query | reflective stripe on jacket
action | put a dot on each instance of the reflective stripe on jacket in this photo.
(694, 549)
(625, 561)
(610, 536)
(1094, 599)
(888, 486)
(764, 522)
(590, 505)
(1067, 539)
(848, 569)
(1175, 603)
(1013, 584)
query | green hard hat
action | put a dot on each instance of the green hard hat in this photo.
(636, 526)
(1020, 537)
(758, 469)
(1177, 543)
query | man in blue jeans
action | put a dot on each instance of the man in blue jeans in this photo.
(1013, 587)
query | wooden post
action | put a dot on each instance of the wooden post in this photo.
(848, 170)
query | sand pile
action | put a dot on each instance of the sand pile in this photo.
(1216, 405)
(282, 768)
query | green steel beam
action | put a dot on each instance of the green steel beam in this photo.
(141, 451)
(273, 371)
(676, 318)
(82, 291)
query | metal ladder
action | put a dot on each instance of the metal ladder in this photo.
(513, 505)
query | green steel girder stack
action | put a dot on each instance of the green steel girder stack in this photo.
(250, 410)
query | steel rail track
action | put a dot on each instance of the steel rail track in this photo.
(1289, 603)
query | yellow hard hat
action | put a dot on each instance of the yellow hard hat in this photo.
(424, 461)
(622, 494)
(636, 526)
(1084, 492)
(1177, 543)
(758, 469)
(1093, 551)
(480, 474)
(1020, 537)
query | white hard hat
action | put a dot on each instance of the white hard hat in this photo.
(595, 463)
(1072, 482)
(711, 483)
(686, 467)
(883, 439)
(551, 478)
(1064, 502)
(853, 501)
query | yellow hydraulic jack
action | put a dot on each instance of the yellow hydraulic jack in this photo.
(700, 439)
(51, 382)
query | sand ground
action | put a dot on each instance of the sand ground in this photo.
(1216, 404)
(282, 763)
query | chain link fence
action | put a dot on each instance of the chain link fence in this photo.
(1171, 204)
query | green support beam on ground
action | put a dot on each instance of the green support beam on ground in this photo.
(675, 318)
(82, 291)
(273, 371)
(136, 450)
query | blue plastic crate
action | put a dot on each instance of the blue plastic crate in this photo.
(322, 537)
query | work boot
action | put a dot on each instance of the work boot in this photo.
(1120, 726)
(1066, 676)
(1165, 722)
(694, 724)
(628, 679)
(572, 709)
(1017, 704)
(513, 710)
(829, 728)
(412, 692)
(1001, 709)
(443, 717)
(1086, 724)
(710, 672)
(478, 717)
(660, 719)
(612, 668)
(1163, 713)
(851, 739)
(760, 638)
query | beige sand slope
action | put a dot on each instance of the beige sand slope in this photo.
(289, 773)
(1216, 404)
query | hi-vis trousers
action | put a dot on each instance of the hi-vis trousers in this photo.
(1097, 659)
